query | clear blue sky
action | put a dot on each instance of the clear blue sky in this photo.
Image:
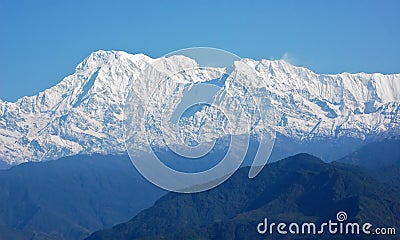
(42, 41)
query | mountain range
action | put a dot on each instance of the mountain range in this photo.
(82, 114)
(75, 196)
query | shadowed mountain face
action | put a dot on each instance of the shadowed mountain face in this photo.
(71, 197)
(380, 159)
(4, 165)
(299, 189)
(376, 155)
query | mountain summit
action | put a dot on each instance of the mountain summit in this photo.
(83, 113)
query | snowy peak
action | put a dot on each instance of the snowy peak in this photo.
(80, 114)
(83, 113)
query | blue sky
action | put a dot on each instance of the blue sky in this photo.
(42, 41)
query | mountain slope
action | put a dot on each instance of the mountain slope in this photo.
(83, 113)
(80, 114)
(298, 189)
(376, 155)
(71, 197)
(381, 159)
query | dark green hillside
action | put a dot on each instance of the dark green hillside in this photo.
(300, 188)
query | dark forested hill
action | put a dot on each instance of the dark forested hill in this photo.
(297, 189)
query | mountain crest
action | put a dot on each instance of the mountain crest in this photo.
(83, 113)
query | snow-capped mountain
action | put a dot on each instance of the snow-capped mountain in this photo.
(83, 113)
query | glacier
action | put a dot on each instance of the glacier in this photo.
(83, 113)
